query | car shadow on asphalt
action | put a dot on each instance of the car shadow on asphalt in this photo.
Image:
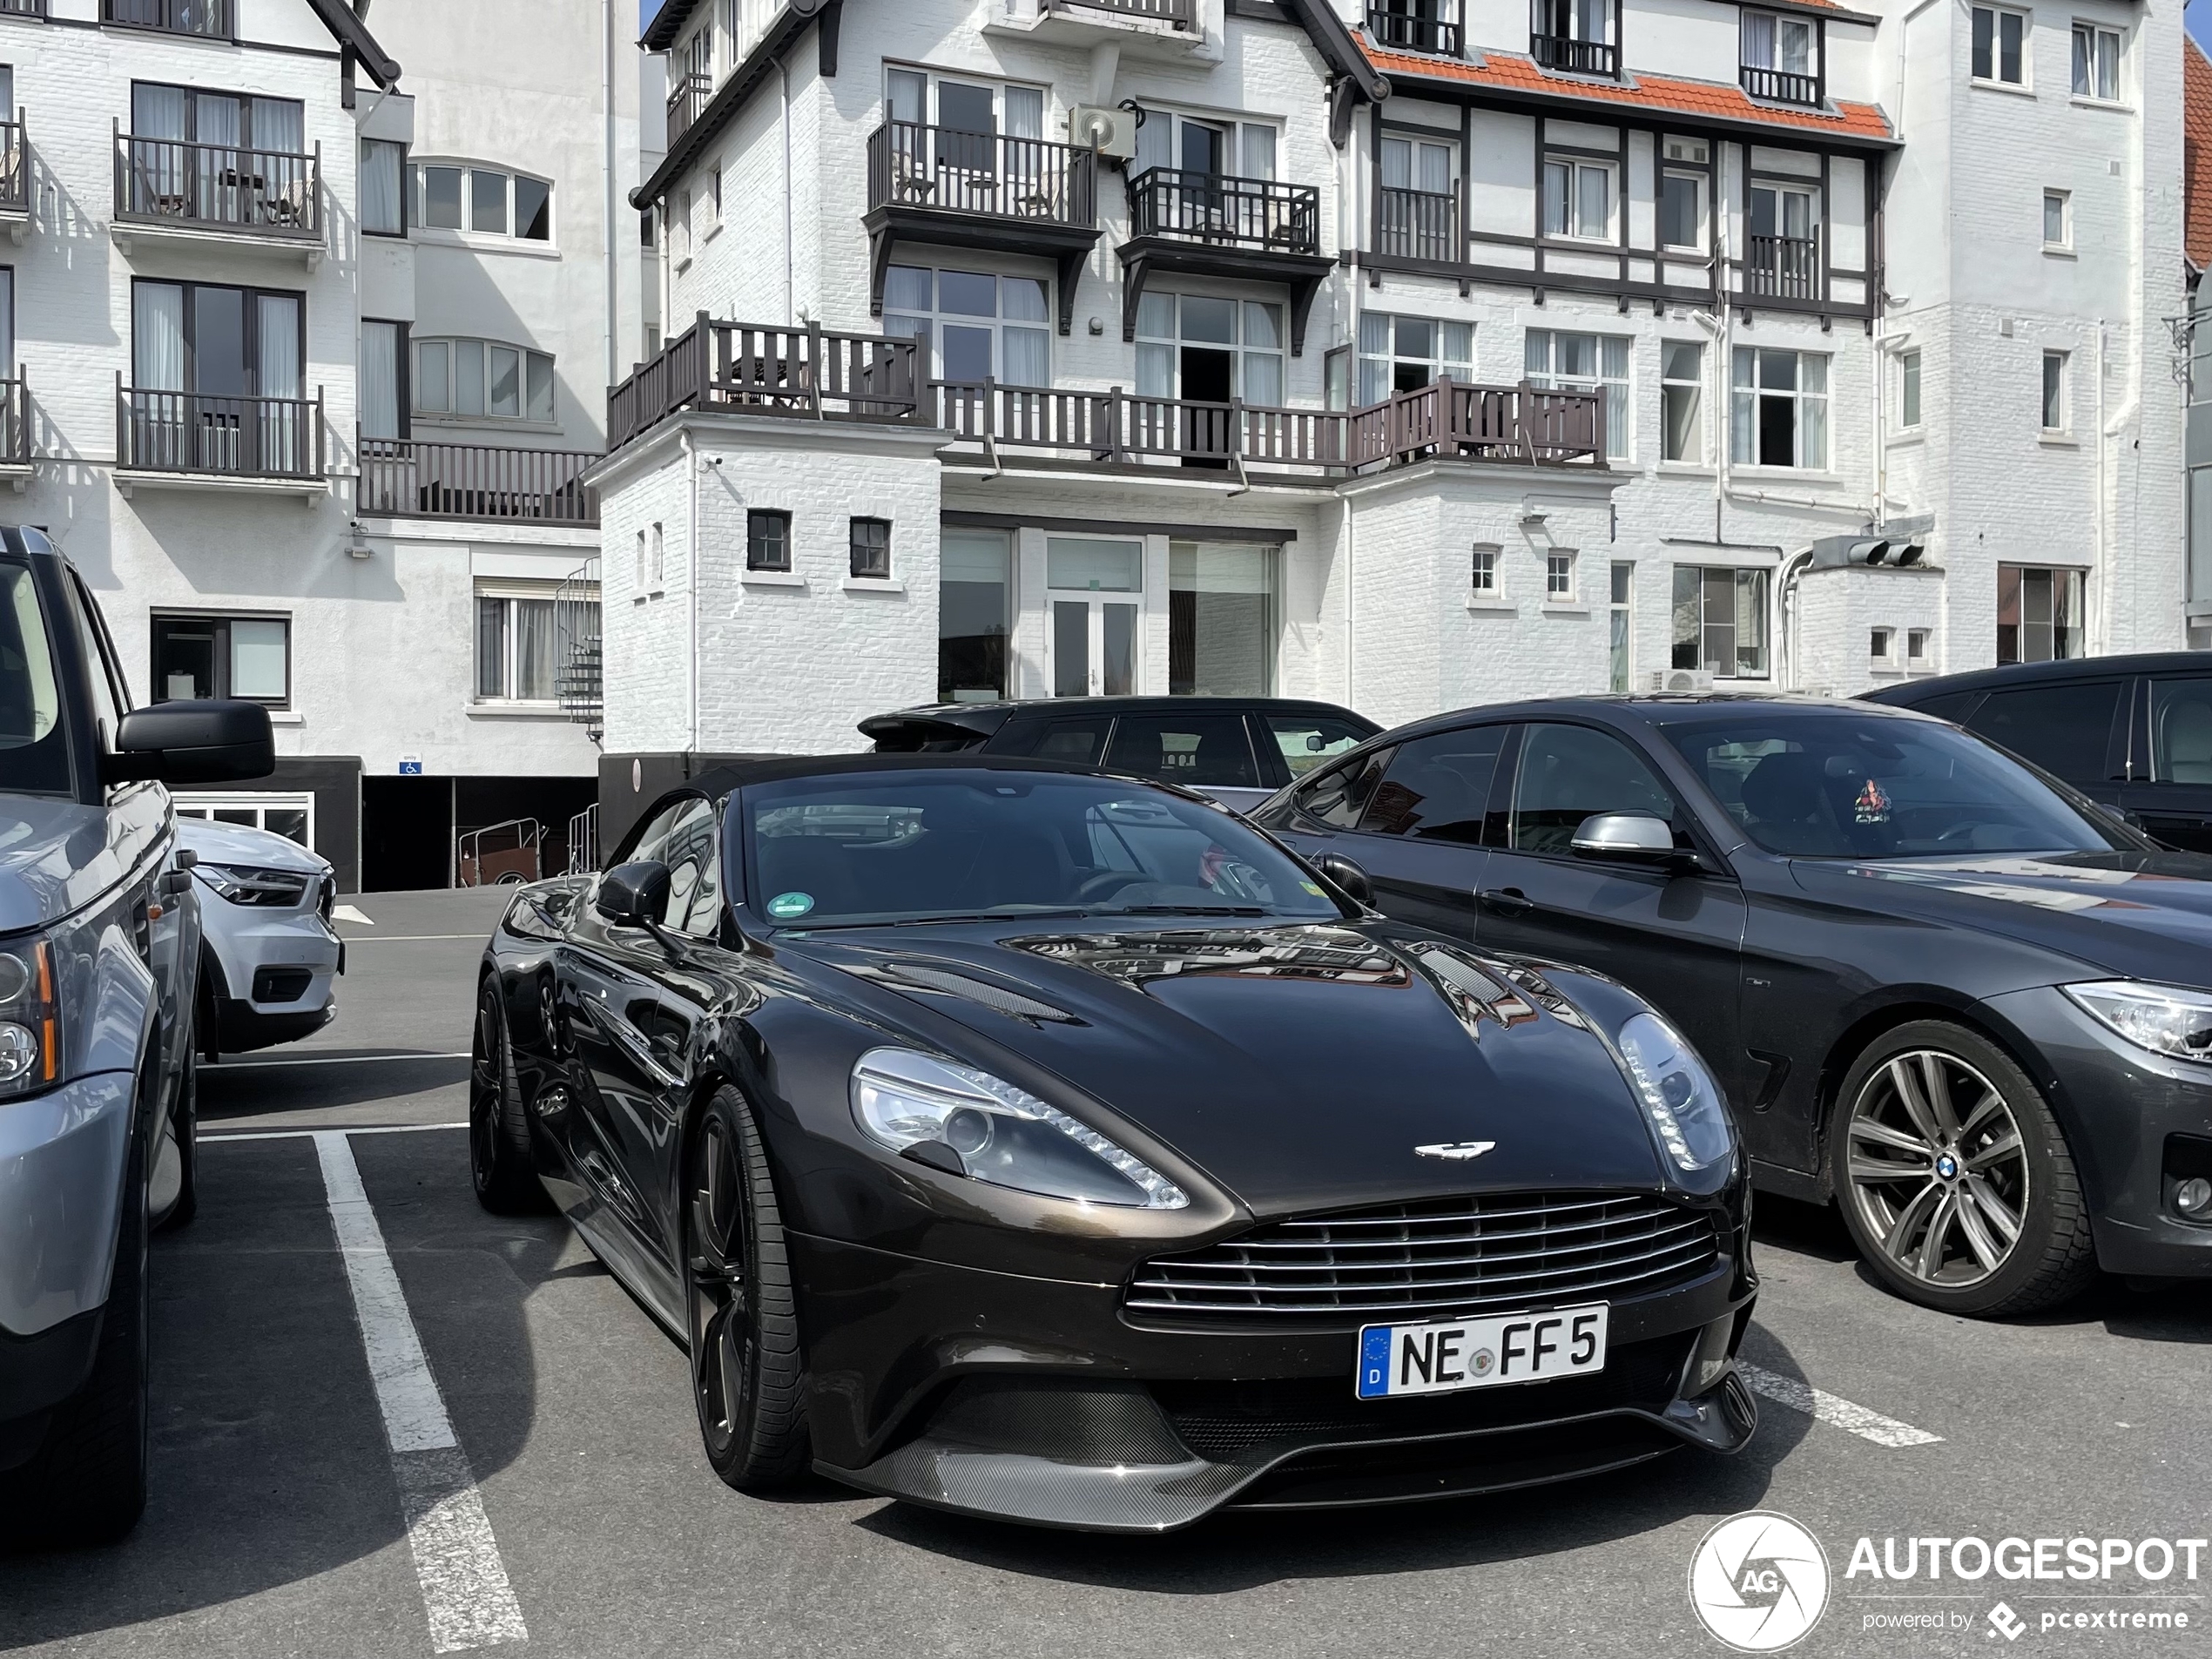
(233, 1097)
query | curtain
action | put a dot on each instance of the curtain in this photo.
(284, 425)
(379, 187)
(380, 391)
(158, 168)
(1027, 356)
(279, 127)
(491, 642)
(157, 111)
(1155, 142)
(1259, 151)
(1617, 397)
(1024, 112)
(1758, 40)
(157, 337)
(534, 649)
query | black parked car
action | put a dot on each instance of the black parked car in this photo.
(1965, 1001)
(1009, 1138)
(2134, 732)
(1238, 750)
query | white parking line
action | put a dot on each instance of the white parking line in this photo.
(465, 1592)
(1839, 1414)
(308, 1134)
(408, 939)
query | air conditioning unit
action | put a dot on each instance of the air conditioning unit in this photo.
(1687, 150)
(1110, 131)
(1678, 680)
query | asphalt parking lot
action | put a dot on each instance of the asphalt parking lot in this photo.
(308, 1499)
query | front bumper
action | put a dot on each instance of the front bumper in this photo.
(277, 974)
(1035, 1401)
(62, 1157)
(2120, 1107)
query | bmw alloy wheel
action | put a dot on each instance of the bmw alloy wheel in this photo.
(1937, 1168)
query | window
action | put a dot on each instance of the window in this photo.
(198, 656)
(1192, 143)
(2058, 218)
(1720, 620)
(1559, 578)
(2055, 411)
(1419, 206)
(383, 349)
(2039, 614)
(1420, 164)
(1403, 353)
(767, 540)
(1568, 773)
(1682, 399)
(1779, 415)
(485, 201)
(1200, 751)
(1916, 647)
(1780, 58)
(714, 196)
(2063, 729)
(872, 550)
(1210, 349)
(982, 326)
(1307, 741)
(1576, 35)
(383, 194)
(1220, 619)
(2000, 46)
(1340, 795)
(477, 380)
(2096, 62)
(1881, 645)
(199, 353)
(637, 565)
(516, 647)
(1486, 572)
(1621, 615)
(1578, 199)
(694, 904)
(657, 558)
(1682, 211)
(1908, 389)
(2180, 730)
(1585, 364)
(975, 615)
(1438, 788)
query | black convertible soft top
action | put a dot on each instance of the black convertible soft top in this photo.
(740, 774)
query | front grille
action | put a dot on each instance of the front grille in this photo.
(1437, 1257)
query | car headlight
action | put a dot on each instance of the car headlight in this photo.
(997, 1133)
(243, 884)
(1681, 1101)
(31, 1032)
(2164, 1019)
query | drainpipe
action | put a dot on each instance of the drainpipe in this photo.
(790, 314)
(614, 240)
(692, 545)
(1350, 598)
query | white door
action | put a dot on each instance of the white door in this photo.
(1092, 588)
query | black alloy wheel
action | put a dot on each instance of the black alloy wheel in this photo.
(1955, 1179)
(500, 1159)
(746, 1367)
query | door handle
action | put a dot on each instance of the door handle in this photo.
(1505, 901)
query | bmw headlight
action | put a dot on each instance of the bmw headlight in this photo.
(30, 1053)
(972, 1124)
(242, 884)
(1681, 1101)
(2164, 1019)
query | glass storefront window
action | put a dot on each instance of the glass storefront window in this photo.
(974, 616)
(1074, 562)
(1220, 619)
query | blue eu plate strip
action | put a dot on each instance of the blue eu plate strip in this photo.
(1374, 1361)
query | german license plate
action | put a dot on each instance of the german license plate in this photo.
(1441, 1358)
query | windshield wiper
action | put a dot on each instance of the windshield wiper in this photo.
(1184, 910)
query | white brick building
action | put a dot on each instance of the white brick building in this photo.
(1411, 356)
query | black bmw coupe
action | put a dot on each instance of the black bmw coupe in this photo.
(1043, 1144)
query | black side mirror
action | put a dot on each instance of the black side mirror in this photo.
(1347, 875)
(209, 742)
(633, 895)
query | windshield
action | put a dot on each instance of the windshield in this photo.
(34, 745)
(925, 846)
(1853, 786)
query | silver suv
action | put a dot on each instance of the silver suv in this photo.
(99, 950)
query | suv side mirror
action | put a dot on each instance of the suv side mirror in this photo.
(1347, 875)
(207, 742)
(1638, 838)
(633, 895)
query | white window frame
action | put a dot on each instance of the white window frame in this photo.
(1612, 357)
(914, 322)
(1620, 625)
(206, 804)
(1487, 571)
(1881, 647)
(509, 594)
(2061, 393)
(997, 86)
(2063, 199)
(417, 185)
(1912, 410)
(2100, 63)
(1560, 564)
(1382, 351)
(1995, 78)
(1417, 154)
(1917, 641)
(1672, 390)
(451, 349)
(1150, 343)
(1782, 21)
(1563, 214)
(1701, 213)
(1745, 397)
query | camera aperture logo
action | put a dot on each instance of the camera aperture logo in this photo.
(1759, 1581)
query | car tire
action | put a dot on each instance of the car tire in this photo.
(86, 1484)
(1954, 1178)
(183, 1122)
(500, 1159)
(747, 1365)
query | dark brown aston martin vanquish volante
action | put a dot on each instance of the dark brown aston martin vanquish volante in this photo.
(1045, 1144)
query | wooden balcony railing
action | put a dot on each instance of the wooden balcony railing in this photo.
(991, 173)
(1573, 56)
(15, 166)
(217, 186)
(1418, 225)
(23, 8)
(210, 17)
(806, 371)
(1780, 85)
(687, 101)
(409, 478)
(15, 422)
(1178, 12)
(1416, 25)
(1784, 266)
(230, 437)
(1212, 208)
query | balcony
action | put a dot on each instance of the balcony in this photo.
(1572, 56)
(1783, 268)
(1203, 223)
(1179, 13)
(23, 8)
(1416, 25)
(15, 431)
(1418, 225)
(197, 440)
(211, 18)
(1780, 86)
(757, 370)
(172, 190)
(687, 102)
(989, 191)
(15, 179)
(402, 478)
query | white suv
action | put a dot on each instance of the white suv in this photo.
(271, 959)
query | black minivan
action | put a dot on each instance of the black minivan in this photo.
(2134, 732)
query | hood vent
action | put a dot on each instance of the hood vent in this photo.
(910, 976)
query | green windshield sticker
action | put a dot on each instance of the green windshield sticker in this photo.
(1311, 888)
(787, 905)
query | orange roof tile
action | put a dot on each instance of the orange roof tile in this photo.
(1710, 99)
(2196, 154)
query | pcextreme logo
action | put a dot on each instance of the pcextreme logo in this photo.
(1759, 1581)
